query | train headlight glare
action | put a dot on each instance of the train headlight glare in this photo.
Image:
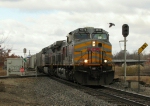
(93, 43)
(85, 61)
(105, 61)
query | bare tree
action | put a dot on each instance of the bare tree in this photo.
(134, 55)
(4, 50)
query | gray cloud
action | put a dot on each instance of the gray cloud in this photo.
(92, 6)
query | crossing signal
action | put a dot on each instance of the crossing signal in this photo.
(125, 30)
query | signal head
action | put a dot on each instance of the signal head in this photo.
(125, 30)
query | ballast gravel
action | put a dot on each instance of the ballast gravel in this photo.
(43, 91)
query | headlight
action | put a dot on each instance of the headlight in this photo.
(105, 61)
(85, 61)
(93, 43)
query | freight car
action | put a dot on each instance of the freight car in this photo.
(84, 57)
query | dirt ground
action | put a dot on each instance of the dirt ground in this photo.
(3, 72)
(20, 91)
(16, 92)
(13, 91)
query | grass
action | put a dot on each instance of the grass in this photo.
(132, 73)
(3, 72)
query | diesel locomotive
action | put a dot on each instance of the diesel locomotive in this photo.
(84, 57)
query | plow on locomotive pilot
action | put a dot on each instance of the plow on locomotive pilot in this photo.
(85, 57)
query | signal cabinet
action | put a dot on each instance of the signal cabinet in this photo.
(14, 65)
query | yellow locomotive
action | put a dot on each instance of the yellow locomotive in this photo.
(85, 57)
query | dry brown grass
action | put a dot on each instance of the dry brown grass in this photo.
(132, 72)
(145, 79)
(3, 72)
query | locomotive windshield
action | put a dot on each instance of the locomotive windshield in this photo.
(100, 36)
(81, 36)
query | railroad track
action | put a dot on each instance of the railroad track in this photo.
(114, 96)
(126, 97)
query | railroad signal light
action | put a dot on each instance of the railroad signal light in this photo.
(125, 30)
(24, 50)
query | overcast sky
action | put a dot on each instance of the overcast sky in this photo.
(35, 24)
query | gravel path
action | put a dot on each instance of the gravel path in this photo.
(143, 89)
(43, 91)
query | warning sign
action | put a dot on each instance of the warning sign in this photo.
(142, 48)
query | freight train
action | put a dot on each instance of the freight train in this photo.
(84, 57)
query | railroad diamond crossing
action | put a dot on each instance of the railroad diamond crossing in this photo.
(142, 48)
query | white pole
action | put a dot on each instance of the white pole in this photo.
(125, 60)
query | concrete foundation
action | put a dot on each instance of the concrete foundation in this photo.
(133, 84)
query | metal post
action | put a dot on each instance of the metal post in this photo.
(139, 74)
(125, 60)
(24, 62)
(36, 72)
